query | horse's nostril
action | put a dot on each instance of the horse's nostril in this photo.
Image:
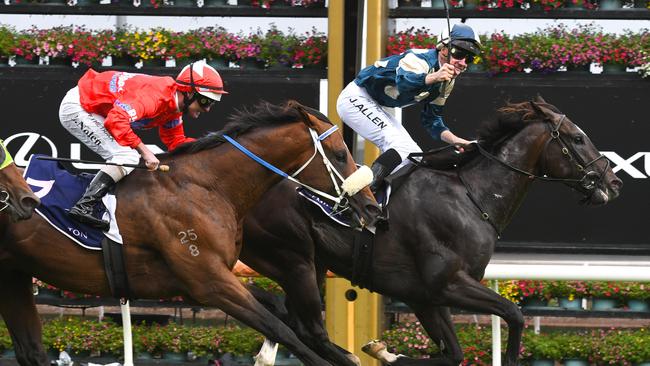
(30, 202)
(616, 184)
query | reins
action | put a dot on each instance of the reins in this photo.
(340, 201)
(588, 180)
(567, 151)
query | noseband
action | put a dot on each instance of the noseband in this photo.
(590, 178)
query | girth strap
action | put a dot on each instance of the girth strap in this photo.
(364, 243)
(115, 269)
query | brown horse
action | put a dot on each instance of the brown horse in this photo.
(16, 198)
(182, 229)
(442, 231)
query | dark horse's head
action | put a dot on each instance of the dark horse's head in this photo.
(16, 198)
(567, 155)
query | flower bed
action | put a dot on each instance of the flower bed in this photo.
(546, 5)
(546, 50)
(610, 346)
(78, 45)
(620, 293)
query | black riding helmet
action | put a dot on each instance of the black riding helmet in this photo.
(464, 41)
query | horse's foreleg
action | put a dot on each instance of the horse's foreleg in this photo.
(304, 304)
(466, 293)
(304, 316)
(436, 321)
(18, 310)
(226, 292)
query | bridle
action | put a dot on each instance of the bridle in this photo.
(589, 179)
(588, 182)
(341, 201)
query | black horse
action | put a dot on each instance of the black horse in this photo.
(443, 228)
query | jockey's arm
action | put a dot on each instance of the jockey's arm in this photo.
(118, 123)
(432, 121)
(411, 73)
(172, 134)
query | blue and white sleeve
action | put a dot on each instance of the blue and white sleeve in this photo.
(431, 119)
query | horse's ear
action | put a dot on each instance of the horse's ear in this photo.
(303, 113)
(537, 108)
(538, 98)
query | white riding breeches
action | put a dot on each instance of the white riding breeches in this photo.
(369, 119)
(89, 129)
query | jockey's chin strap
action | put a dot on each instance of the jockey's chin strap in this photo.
(6, 161)
(341, 202)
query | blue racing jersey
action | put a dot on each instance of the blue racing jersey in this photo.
(398, 81)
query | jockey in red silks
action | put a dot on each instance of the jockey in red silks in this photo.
(105, 108)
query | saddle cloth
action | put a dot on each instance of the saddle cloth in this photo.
(324, 206)
(59, 190)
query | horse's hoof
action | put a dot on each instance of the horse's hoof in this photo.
(374, 347)
(354, 358)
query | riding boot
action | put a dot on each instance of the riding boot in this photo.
(381, 168)
(83, 211)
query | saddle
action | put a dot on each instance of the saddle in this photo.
(59, 188)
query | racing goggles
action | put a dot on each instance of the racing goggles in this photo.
(205, 102)
(461, 54)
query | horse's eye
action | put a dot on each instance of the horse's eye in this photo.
(578, 139)
(341, 156)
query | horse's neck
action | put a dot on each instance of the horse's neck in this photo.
(244, 181)
(499, 190)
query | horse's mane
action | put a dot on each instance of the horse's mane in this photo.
(263, 114)
(509, 120)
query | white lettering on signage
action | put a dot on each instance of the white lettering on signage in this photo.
(626, 164)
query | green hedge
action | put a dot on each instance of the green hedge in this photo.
(600, 346)
(105, 338)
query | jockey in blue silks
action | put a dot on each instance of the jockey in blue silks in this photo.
(414, 76)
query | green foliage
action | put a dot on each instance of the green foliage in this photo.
(5, 338)
(600, 346)
(240, 341)
(8, 41)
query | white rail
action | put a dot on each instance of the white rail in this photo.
(561, 267)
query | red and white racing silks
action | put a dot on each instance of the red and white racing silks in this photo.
(132, 101)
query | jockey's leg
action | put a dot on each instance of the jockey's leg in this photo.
(89, 129)
(382, 167)
(84, 210)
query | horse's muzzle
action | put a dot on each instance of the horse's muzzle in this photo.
(604, 191)
(23, 207)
